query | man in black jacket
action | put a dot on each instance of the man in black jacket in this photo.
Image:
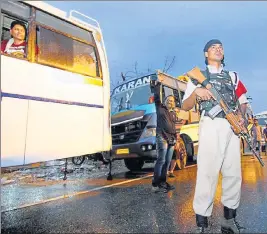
(165, 139)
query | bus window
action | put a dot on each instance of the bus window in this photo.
(85, 59)
(55, 49)
(166, 91)
(61, 51)
(182, 94)
(15, 8)
(63, 26)
(178, 102)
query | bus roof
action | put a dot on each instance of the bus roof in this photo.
(70, 18)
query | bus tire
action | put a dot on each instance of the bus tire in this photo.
(78, 160)
(189, 146)
(181, 161)
(134, 164)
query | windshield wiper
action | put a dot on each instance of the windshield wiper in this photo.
(120, 104)
(128, 104)
(128, 98)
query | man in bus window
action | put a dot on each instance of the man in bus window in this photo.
(219, 147)
(16, 45)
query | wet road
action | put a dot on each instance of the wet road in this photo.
(127, 205)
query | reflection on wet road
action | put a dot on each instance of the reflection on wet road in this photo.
(127, 205)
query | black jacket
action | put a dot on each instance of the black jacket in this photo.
(165, 118)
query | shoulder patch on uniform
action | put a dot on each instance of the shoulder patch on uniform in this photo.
(234, 73)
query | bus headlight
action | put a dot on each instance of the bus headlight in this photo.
(148, 132)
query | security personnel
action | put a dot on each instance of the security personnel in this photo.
(219, 147)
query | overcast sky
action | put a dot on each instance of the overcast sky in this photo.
(148, 32)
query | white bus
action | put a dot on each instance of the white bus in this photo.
(55, 99)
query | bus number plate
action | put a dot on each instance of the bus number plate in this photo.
(122, 151)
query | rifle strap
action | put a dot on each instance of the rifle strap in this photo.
(207, 75)
(236, 98)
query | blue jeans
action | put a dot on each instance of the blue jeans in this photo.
(257, 144)
(165, 153)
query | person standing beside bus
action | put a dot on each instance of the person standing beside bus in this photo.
(219, 147)
(165, 139)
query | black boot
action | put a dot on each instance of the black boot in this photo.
(229, 223)
(202, 224)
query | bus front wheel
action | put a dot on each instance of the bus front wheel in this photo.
(189, 146)
(181, 156)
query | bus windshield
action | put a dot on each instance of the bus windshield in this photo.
(130, 98)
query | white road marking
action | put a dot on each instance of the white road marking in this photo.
(194, 165)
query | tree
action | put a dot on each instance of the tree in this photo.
(168, 64)
(135, 73)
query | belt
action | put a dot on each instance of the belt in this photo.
(221, 115)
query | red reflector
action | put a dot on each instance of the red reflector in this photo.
(151, 99)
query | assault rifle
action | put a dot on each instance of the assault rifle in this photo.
(231, 116)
